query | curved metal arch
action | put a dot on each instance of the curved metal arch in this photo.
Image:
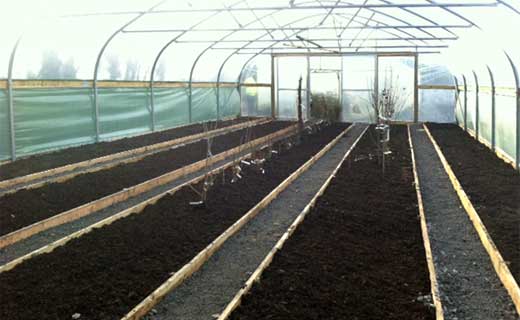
(190, 84)
(166, 46)
(98, 60)
(517, 82)
(389, 32)
(465, 102)
(12, 136)
(190, 100)
(352, 16)
(477, 106)
(384, 14)
(493, 108)
(252, 41)
(263, 49)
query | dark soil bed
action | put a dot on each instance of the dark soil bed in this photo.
(25, 207)
(104, 274)
(358, 254)
(63, 157)
(492, 185)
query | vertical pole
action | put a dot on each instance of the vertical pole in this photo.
(277, 88)
(300, 106)
(517, 84)
(457, 97)
(308, 96)
(152, 106)
(477, 116)
(341, 88)
(493, 109)
(376, 86)
(12, 135)
(273, 88)
(416, 89)
(465, 103)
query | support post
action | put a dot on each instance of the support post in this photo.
(465, 103)
(308, 87)
(12, 134)
(416, 89)
(300, 107)
(98, 62)
(273, 94)
(493, 109)
(275, 110)
(477, 100)
(517, 83)
(376, 85)
(341, 88)
(457, 97)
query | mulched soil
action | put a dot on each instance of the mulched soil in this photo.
(28, 206)
(63, 157)
(104, 274)
(358, 254)
(492, 185)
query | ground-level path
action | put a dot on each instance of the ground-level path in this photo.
(208, 291)
(468, 285)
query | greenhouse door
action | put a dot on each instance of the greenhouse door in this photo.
(288, 72)
(396, 78)
(325, 94)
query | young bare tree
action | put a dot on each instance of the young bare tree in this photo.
(387, 102)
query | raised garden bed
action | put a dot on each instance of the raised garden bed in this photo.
(63, 157)
(492, 185)
(359, 252)
(25, 207)
(105, 273)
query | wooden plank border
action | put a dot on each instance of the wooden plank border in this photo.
(499, 264)
(138, 208)
(128, 156)
(123, 195)
(439, 312)
(255, 277)
(191, 267)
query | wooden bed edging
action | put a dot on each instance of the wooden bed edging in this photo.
(255, 277)
(439, 312)
(125, 156)
(138, 208)
(196, 263)
(499, 264)
(96, 205)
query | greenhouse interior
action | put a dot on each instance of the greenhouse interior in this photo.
(260, 159)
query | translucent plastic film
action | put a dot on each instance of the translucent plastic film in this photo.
(48, 119)
(5, 151)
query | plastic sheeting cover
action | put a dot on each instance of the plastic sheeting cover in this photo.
(5, 142)
(123, 112)
(47, 119)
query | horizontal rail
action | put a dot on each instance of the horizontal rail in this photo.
(497, 260)
(196, 263)
(235, 302)
(436, 87)
(87, 84)
(125, 194)
(23, 182)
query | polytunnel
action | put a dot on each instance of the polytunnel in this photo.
(260, 159)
